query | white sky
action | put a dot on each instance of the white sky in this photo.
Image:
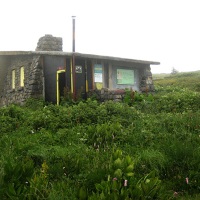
(167, 31)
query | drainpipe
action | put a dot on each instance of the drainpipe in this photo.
(86, 78)
(73, 57)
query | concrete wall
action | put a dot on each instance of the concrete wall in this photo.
(142, 76)
(139, 73)
(113, 75)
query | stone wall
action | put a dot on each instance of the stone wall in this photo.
(33, 79)
(3, 71)
(106, 94)
(146, 83)
(49, 43)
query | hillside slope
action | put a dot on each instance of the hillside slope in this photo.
(190, 80)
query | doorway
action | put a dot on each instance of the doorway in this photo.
(61, 84)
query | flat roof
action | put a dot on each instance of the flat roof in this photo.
(82, 55)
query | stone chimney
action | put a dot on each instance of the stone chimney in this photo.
(49, 43)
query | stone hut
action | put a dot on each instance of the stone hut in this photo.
(49, 72)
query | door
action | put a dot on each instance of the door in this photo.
(52, 64)
(61, 84)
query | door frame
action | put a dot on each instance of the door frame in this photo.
(57, 85)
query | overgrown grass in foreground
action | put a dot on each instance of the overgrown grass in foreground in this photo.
(144, 148)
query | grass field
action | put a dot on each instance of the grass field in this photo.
(146, 147)
(190, 80)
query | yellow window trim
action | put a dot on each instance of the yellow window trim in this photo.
(13, 79)
(22, 76)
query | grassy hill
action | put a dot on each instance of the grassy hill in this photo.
(190, 80)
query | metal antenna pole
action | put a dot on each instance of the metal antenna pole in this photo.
(73, 58)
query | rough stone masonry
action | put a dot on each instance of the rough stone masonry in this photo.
(49, 43)
(33, 72)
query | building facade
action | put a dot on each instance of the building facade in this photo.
(49, 73)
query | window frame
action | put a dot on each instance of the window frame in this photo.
(13, 78)
(125, 76)
(22, 76)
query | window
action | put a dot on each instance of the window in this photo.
(22, 76)
(98, 78)
(125, 77)
(13, 79)
(98, 73)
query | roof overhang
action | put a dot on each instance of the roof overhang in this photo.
(76, 54)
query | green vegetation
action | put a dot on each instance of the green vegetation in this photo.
(146, 147)
(189, 80)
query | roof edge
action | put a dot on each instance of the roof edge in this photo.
(83, 55)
